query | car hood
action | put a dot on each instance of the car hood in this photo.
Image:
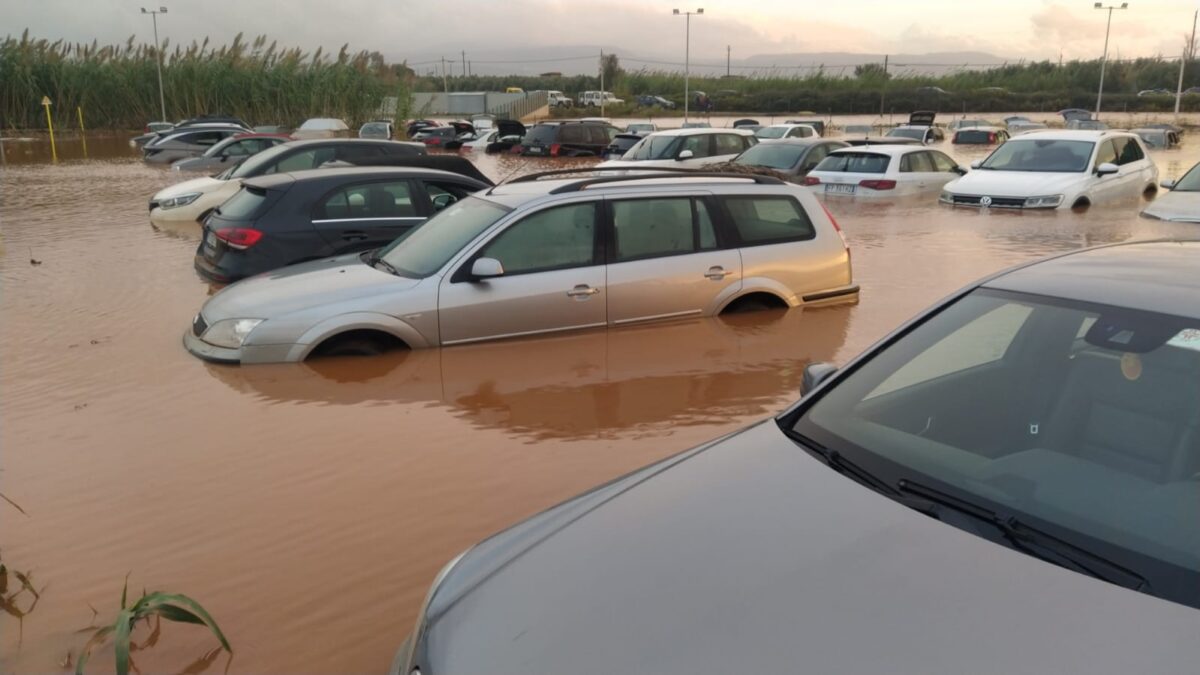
(1183, 207)
(299, 287)
(201, 185)
(751, 556)
(1015, 183)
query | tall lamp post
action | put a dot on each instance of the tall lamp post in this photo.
(687, 60)
(1104, 61)
(162, 101)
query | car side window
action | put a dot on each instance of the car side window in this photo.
(1107, 154)
(942, 161)
(652, 228)
(557, 238)
(814, 157)
(239, 149)
(208, 138)
(442, 195)
(763, 219)
(1132, 152)
(698, 144)
(573, 133)
(301, 161)
(728, 144)
(916, 162)
(370, 201)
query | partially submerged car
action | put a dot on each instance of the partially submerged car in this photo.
(1157, 139)
(1004, 484)
(380, 129)
(1056, 169)
(793, 157)
(979, 136)
(965, 123)
(285, 218)
(817, 125)
(883, 171)
(686, 148)
(180, 144)
(541, 254)
(1181, 204)
(621, 143)
(502, 137)
(777, 131)
(1086, 125)
(230, 152)
(322, 127)
(568, 139)
(920, 128)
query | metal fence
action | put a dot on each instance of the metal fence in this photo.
(506, 106)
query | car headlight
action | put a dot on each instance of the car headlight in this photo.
(229, 333)
(181, 200)
(946, 197)
(1043, 202)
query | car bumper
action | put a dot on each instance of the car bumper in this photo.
(1002, 206)
(210, 272)
(177, 216)
(247, 354)
(211, 353)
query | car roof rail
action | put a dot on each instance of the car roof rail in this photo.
(648, 173)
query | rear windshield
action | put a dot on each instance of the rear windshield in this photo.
(908, 132)
(541, 133)
(772, 155)
(771, 132)
(244, 205)
(855, 162)
(975, 136)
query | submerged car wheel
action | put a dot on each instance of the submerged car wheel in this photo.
(358, 343)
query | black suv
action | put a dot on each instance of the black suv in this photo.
(568, 139)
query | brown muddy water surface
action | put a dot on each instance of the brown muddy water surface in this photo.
(309, 506)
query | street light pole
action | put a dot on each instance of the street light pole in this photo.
(1104, 60)
(687, 60)
(1187, 51)
(162, 101)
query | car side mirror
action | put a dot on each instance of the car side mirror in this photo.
(976, 164)
(685, 154)
(1167, 185)
(486, 268)
(1107, 169)
(959, 170)
(814, 375)
(442, 201)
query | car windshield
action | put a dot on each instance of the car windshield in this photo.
(256, 164)
(908, 132)
(1190, 181)
(1041, 154)
(1073, 418)
(771, 132)
(854, 162)
(425, 249)
(772, 155)
(374, 128)
(975, 136)
(655, 147)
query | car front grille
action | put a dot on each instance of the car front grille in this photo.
(199, 325)
(995, 202)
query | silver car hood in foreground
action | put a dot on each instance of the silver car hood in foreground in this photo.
(344, 279)
(751, 556)
(1180, 207)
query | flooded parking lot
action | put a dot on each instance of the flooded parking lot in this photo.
(308, 506)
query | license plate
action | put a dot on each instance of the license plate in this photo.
(533, 150)
(210, 244)
(840, 189)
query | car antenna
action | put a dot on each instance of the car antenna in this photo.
(504, 180)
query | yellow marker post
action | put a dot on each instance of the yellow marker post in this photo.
(50, 125)
(82, 135)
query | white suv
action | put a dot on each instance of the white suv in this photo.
(542, 254)
(595, 98)
(686, 148)
(1056, 169)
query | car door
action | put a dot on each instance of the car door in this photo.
(726, 147)
(368, 214)
(1112, 185)
(1137, 170)
(810, 160)
(665, 260)
(916, 173)
(945, 169)
(700, 145)
(553, 279)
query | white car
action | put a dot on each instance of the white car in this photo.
(641, 128)
(686, 148)
(883, 171)
(595, 98)
(321, 127)
(557, 99)
(1056, 169)
(1182, 203)
(777, 131)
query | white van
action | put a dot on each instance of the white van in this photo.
(594, 98)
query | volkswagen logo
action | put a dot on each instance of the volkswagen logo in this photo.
(985, 201)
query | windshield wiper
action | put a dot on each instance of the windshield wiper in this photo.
(838, 462)
(374, 261)
(1031, 540)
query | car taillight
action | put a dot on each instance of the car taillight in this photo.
(433, 140)
(554, 149)
(991, 137)
(812, 180)
(517, 149)
(878, 184)
(837, 228)
(240, 238)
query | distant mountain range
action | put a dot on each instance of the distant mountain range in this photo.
(584, 59)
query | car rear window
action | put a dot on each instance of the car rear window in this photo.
(772, 155)
(766, 219)
(855, 162)
(975, 136)
(245, 205)
(541, 133)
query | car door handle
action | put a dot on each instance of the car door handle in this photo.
(582, 291)
(716, 273)
(354, 235)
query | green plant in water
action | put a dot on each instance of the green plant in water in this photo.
(169, 606)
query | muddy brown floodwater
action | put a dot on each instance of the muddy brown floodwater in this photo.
(309, 506)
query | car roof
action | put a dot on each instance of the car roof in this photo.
(1075, 134)
(349, 172)
(789, 125)
(1159, 276)
(883, 149)
(979, 128)
(514, 194)
(811, 140)
(696, 131)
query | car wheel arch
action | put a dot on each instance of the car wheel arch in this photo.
(753, 286)
(356, 321)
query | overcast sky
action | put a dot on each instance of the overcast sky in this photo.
(417, 29)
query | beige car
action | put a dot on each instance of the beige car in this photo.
(543, 254)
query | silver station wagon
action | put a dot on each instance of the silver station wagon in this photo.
(548, 252)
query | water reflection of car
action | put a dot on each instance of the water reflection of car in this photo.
(637, 380)
(174, 145)
(1016, 462)
(230, 152)
(544, 254)
(285, 218)
(686, 148)
(883, 171)
(192, 200)
(777, 131)
(1157, 139)
(1056, 169)
(794, 157)
(381, 129)
(1181, 204)
(979, 136)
